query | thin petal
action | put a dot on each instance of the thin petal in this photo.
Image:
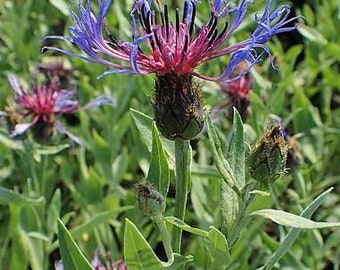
(15, 84)
(99, 101)
(20, 129)
(63, 130)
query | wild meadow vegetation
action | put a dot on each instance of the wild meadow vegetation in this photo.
(101, 191)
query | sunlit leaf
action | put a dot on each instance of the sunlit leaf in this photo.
(291, 220)
(182, 225)
(72, 257)
(137, 252)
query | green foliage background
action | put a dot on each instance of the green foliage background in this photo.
(92, 190)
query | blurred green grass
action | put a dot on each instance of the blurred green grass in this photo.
(88, 188)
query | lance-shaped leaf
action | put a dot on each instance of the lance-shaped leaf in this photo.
(138, 254)
(72, 257)
(159, 173)
(291, 220)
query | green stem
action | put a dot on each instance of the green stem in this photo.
(183, 162)
(165, 237)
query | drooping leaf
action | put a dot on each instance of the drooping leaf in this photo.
(50, 149)
(185, 227)
(291, 220)
(294, 232)
(8, 196)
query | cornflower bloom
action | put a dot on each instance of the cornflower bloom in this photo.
(44, 103)
(173, 51)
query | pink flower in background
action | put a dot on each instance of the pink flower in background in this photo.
(44, 104)
(237, 92)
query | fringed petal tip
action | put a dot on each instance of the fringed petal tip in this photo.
(116, 71)
(15, 84)
(60, 127)
(20, 129)
(47, 48)
(53, 37)
(100, 101)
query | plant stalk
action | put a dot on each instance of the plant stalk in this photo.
(183, 178)
(165, 237)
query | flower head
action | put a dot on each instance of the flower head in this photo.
(174, 46)
(173, 49)
(44, 103)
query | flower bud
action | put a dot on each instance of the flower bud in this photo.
(267, 161)
(149, 200)
(178, 107)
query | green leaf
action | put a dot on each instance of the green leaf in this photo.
(159, 173)
(9, 196)
(50, 149)
(185, 227)
(101, 150)
(230, 201)
(144, 124)
(221, 163)
(98, 219)
(137, 252)
(11, 144)
(231, 172)
(61, 6)
(17, 252)
(294, 232)
(291, 220)
(217, 247)
(72, 257)
(236, 150)
(312, 34)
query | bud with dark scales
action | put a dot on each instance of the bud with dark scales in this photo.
(267, 160)
(178, 107)
(149, 200)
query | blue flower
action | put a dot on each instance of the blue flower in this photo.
(177, 47)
